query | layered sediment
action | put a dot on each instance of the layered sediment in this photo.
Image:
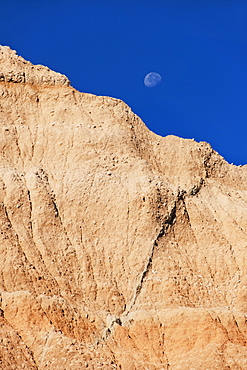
(120, 249)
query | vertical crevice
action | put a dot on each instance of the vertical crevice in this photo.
(164, 227)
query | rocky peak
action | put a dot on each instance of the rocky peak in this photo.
(14, 68)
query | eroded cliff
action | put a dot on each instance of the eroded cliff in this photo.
(120, 249)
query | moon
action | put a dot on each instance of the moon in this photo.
(152, 79)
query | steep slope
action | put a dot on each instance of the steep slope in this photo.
(119, 248)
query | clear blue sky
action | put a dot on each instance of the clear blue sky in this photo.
(199, 47)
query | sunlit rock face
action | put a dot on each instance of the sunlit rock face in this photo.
(120, 249)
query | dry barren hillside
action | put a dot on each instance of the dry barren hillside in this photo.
(119, 249)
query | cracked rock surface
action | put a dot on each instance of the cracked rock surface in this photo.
(119, 249)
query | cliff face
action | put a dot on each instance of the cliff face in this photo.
(120, 249)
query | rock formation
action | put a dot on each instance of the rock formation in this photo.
(120, 249)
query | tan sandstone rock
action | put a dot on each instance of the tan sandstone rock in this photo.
(120, 249)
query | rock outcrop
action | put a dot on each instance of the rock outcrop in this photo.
(16, 69)
(120, 249)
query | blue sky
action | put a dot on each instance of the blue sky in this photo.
(199, 47)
